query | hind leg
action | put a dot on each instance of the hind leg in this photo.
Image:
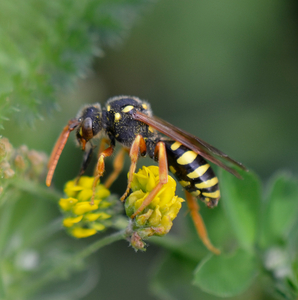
(199, 223)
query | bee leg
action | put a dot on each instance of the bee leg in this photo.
(86, 160)
(138, 146)
(59, 146)
(118, 166)
(102, 146)
(160, 152)
(100, 167)
(199, 223)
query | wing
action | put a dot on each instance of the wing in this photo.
(190, 141)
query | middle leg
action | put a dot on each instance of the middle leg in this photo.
(100, 167)
(160, 152)
(138, 146)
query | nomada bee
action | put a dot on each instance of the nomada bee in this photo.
(129, 121)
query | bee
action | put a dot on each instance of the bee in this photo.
(130, 122)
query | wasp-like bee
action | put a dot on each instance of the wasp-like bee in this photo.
(129, 121)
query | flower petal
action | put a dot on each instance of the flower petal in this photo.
(71, 189)
(98, 226)
(80, 232)
(82, 207)
(86, 182)
(85, 195)
(68, 222)
(67, 204)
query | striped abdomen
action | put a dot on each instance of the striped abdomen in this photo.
(193, 172)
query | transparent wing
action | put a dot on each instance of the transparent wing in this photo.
(190, 141)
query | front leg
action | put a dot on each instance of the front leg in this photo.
(100, 168)
(138, 146)
(118, 166)
(86, 160)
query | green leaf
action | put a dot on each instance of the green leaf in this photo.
(172, 279)
(241, 200)
(226, 275)
(280, 210)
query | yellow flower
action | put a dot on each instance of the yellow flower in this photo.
(157, 218)
(68, 222)
(67, 204)
(80, 217)
(83, 207)
(80, 232)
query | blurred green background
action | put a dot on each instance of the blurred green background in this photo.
(226, 71)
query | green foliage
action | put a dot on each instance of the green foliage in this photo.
(46, 45)
(263, 249)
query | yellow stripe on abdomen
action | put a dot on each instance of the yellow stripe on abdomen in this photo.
(184, 183)
(199, 171)
(207, 183)
(172, 169)
(196, 193)
(187, 158)
(215, 194)
(175, 146)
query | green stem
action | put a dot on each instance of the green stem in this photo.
(70, 262)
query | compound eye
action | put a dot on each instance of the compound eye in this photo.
(87, 129)
(127, 108)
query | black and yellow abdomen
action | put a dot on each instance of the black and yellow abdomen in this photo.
(193, 172)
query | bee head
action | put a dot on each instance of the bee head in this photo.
(90, 123)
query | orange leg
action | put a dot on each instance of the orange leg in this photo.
(137, 146)
(102, 146)
(118, 166)
(100, 167)
(199, 223)
(163, 177)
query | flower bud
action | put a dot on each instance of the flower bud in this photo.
(157, 218)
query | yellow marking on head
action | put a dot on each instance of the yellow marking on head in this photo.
(207, 183)
(144, 105)
(117, 117)
(172, 169)
(108, 107)
(187, 158)
(199, 171)
(184, 183)
(127, 108)
(175, 146)
(196, 193)
(150, 129)
(215, 194)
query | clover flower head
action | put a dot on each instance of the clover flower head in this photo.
(157, 218)
(80, 217)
